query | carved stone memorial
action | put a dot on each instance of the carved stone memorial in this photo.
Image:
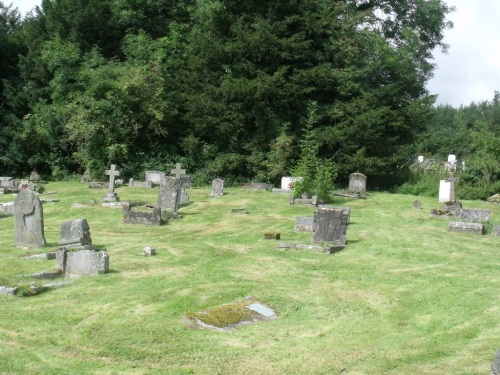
(168, 197)
(28, 220)
(75, 233)
(217, 188)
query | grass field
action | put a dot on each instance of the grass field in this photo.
(403, 297)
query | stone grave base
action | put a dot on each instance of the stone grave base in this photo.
(226, 318)
(142, 214)
(327, 249)
(463, 227)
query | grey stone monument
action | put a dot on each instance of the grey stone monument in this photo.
(75, 233)
(111, 195)
(217, 188)
(168, 197)
(495, 366)
(417, 205)
(154, 176)
(177, 171)
(82, 262)
(452, 179)
(357, 183)
(329, 225)
(28, 220)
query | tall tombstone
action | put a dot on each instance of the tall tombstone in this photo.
(217, 188)
(111, 195)
(357, 183)
(75, 233)
(447, 189)
(330, 225)
(28, 220)
(168, 197)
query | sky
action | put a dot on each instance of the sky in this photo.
(469, 72)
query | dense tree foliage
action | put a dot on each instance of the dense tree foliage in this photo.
(221, 85)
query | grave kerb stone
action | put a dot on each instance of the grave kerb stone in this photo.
(464, 227)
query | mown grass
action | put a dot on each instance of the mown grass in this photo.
(404, 296)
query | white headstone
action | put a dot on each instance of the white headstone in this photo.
(444, 191)
(286, 181)
(452, 158)
(420, 158)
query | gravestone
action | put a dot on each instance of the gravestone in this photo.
(75, 233)
(463, 227)
(417, 205)
(34, 176)
(177, 171)
(168, 197)
(186, 183)
(7, 209)
(111, 195)
(152, 216)
(86, 178)
(357, 183)
(154, 176)
(447, 189)
(257, 186)
(420, 158)
(82, 262)
(304, 224)
(217, 188)
(495, 231)
(329, 225)
(7, 182)
(28, 220)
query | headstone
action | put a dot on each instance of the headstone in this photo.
(186, 183)
(287, 182)
(495, 231)
(357, 183)
(86, 178)
(34, 176)
(329, 225)
(149, 251)
(257, 186)
(7, 182)
(217, 188)
(75, 233)
(177, 171)
(168, 197)
(154, 176)
(151, 217)
(495, 366)
(463, 227)
(28, 220)
(444, 191)
(111, 195)
(420, 158)
(304, 224)
(417, 205)
(452, 159)
(7, 208)
(82, 262)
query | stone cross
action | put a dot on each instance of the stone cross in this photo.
(112, 173)
(452, 179)
(177, 171)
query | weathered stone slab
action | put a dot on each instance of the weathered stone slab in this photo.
(417, 205)
(28, 220)
(168, 197)
(314, 201)
(495, 232)
(75, 233)
(7, 208)
(495, 366)
(281, 191)
(329, 249)
(82, 262)
(346, 213)
(97, 185)
(8, 290)
(463, 227)
(217, 188)
(357, 183)
(473, 214)
(329, 225)
(304, 224)
(48, 256)
(154, 176)
(150, 217)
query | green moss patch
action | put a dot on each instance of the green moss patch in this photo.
(227, 316)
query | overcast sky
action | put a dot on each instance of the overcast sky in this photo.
(470, 72)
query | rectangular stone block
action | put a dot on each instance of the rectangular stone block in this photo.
(463, 227)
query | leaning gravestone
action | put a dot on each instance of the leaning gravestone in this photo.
(217, 188)
(111, 195)
(168, 197)
(357, 183)
(75, 233)
(329, 225)
(28, 220)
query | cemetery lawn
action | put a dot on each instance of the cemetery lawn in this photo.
(405, 296)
